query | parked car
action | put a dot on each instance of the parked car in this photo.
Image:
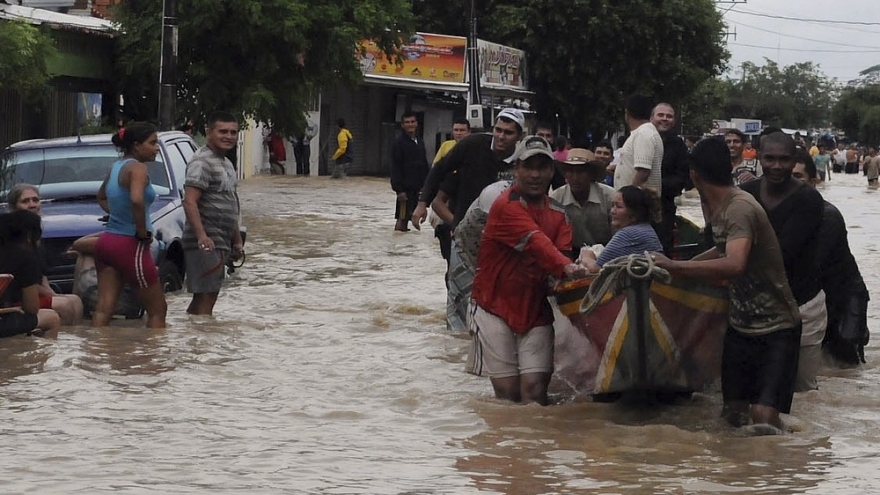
(69, 172)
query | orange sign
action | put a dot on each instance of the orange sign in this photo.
(427, 57)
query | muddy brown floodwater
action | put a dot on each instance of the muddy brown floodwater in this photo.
(328, 370)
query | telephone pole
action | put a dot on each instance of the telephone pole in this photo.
(168, 66)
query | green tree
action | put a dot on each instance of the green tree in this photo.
(585, 56)
(857, 112)
(264, 59)
(24, 52)
(798, 95)
(704, 105)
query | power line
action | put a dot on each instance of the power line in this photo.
(808, 39)
(802, 19)
(804, 50)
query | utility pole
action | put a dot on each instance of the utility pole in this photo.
(168, 66)
(473, 61)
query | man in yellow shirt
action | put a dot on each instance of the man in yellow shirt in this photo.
(342, 156)
(460, 129)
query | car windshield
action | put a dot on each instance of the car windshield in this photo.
(66, 172)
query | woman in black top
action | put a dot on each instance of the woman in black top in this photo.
(20, 312)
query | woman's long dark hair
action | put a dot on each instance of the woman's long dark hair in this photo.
(643, 204)
(20, 227)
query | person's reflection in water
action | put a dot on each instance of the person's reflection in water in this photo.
(127, 350)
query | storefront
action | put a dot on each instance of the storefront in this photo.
(431, 81)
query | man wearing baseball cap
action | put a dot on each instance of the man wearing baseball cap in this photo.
(587, 201)
(477, 160)
(526, 240)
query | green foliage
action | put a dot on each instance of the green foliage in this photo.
(265, 60)
(704, 106)
(585, 56)
(798, 95)
(24, 51)
(857, 112)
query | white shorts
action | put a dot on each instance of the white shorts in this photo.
(814, 320)
(505, 354)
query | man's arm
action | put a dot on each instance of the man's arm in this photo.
(732, 264)
(643, 158)
(193, 217)
(440, 205)
(432, 183)
(641, 177)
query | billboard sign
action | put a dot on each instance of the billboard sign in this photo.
(501, 66)
(426, 57)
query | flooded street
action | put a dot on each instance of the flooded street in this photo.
(328, 370)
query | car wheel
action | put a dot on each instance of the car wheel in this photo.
(170, 276)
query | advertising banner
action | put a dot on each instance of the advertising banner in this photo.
(501, 66)
(426, 57)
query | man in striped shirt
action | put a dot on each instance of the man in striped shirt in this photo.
(211, 234)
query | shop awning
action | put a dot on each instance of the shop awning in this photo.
(399, 82)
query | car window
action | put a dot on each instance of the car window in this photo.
(159, 176)
(56, 165)
(68, 171)
(178, 165)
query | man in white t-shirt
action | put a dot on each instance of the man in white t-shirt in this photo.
(642, 154)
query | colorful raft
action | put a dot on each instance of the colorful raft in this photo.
(653, 334)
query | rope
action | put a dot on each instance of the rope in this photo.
(615, 278)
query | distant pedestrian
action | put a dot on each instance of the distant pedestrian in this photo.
(277, 153)
(342, 156)
(302, 150)
(872, 167)
(822, 160)
(212, 233)
(409, 167)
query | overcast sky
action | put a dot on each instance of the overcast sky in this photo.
(842, 36)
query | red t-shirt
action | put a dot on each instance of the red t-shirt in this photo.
(522, 244)
(276, 147)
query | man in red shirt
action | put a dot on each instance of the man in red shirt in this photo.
(526, 239)
(277, 153)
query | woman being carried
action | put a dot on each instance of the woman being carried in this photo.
(122, 253)
(632, 211)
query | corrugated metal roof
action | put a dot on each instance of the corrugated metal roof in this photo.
(43, 16)
(45, 4)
